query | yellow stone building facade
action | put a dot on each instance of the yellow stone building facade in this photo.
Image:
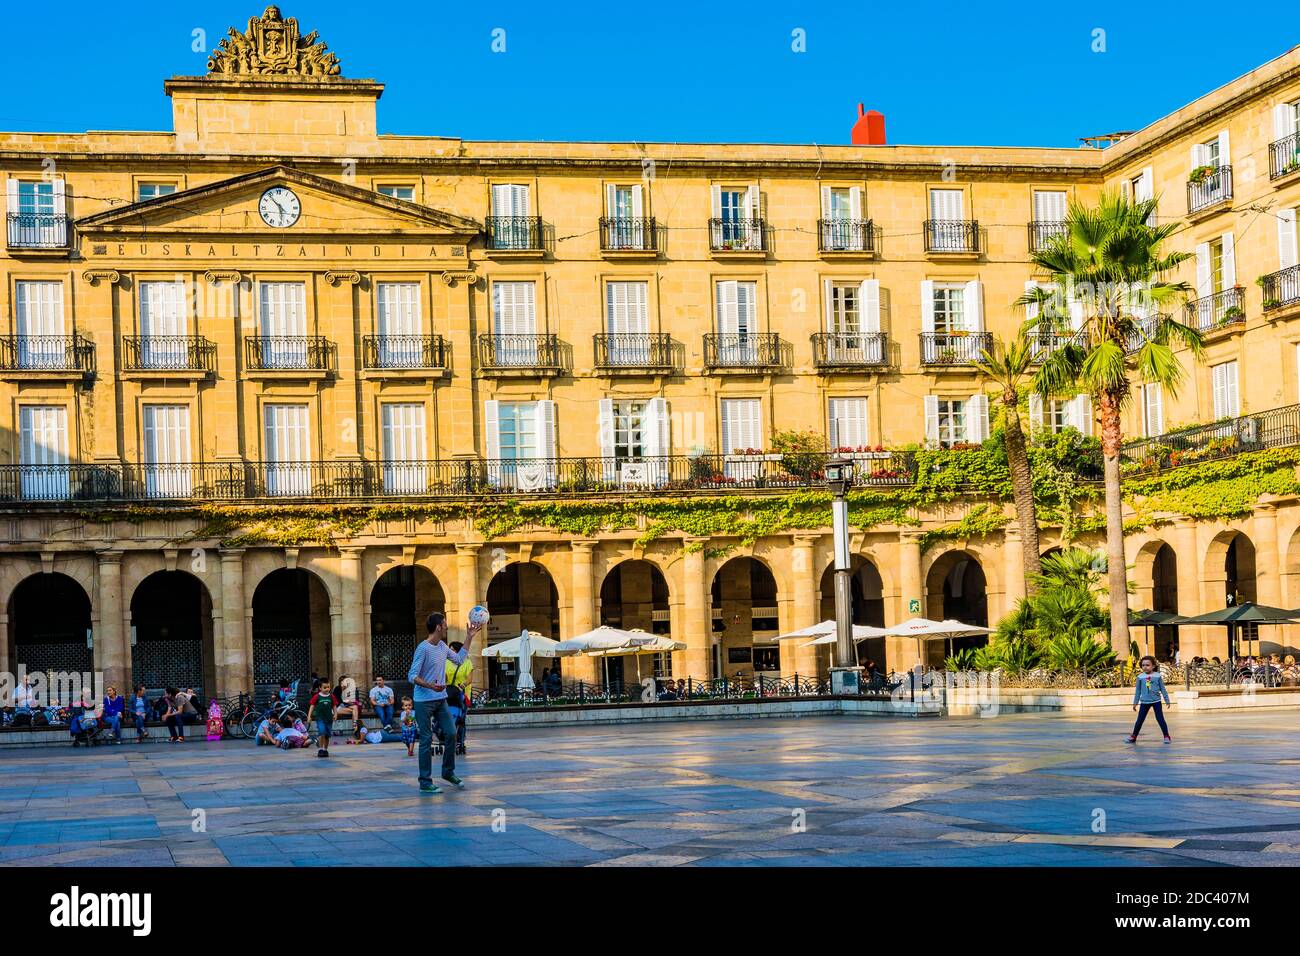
(275, 306)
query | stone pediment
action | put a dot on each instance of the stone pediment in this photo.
(229, 209)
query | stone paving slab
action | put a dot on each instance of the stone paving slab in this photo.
(1017, 790)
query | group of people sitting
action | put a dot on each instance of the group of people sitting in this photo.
(90, 721)
(1271, 669)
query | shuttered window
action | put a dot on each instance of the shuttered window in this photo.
(404, 450)
(1226, 401)
(43, 452)
(166, 438)
(39, 325)
(287, 444)
(848, 423)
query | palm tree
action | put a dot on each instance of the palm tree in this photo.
(1009, 366)
(1109, 263)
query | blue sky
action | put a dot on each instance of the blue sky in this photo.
(942, 73)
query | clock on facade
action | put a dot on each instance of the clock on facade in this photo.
(279, 207)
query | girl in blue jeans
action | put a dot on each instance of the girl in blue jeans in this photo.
(140, 710)
(1148, 691)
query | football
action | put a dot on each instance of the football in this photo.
(478, 614)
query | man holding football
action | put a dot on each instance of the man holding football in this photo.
(429, 675)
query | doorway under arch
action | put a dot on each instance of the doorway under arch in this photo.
(171, 633)
(400, 602)
(49, 625)
(291, 627)
(634, 596)
(745, 619)
(521, 595)
(867, 592)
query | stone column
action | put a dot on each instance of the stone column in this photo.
(466, 597)
(1186, 565)
(233, 642)
(349, 646)
(696, 631)
(902, 653)
(1013, 569)
(1268, 562)
(112, 647)
(582, 667)
(806, 600)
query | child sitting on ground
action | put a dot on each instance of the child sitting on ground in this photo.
(406, 720)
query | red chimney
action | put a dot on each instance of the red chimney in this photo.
(869, 130)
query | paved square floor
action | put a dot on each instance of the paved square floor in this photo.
(1027, 790)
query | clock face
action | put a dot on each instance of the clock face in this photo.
(279, 207)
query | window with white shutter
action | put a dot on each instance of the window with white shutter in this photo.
(398, 325)
(735, 309)
(163, 325)
(166, 452)
(627, 322)
(283, 308)
(43, 452)
(514, 322)
(848, 424)
(403, 447)
(287, 444)
(1153, 413)
(39, 325)
(1049, 205)
(37, 213)
(946, 420)
(742, 432)
(946, 231)
(1224, 379)
(1286, 243)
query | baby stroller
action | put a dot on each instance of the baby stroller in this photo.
(458, 719)
(86, 730)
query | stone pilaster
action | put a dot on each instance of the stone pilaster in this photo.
(349, 645)
(112, 647)
(807, 599)
(582, 667)
(233, 640)
(696, 631)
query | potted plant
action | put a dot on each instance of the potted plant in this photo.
(1202, 173)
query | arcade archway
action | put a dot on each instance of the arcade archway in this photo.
(745, 619)
(171, 633)
(49, 625)
(521, 595)
(291, 627)
(400, 603)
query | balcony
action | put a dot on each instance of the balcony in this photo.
(519, 354)
(629, 236)
(161, 355)
(1274, 428)
(742, 352)
(1209, 187)
(854, 236)
(38, 231)
(1281, 288)
(1144, 328)
(1043, 232)
(410, 356)
(314, 481)
(289, 356)
(1223, 310)
(953, 348)
(515, 234)
(1043, 344)
(46, 356)
(850, 350)
(743, 236)
(634, 352)
(952, 237)
(1284, 156)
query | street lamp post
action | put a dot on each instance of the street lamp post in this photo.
(845, 673)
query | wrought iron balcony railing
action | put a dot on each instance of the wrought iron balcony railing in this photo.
(1213, 187)
(846, 235)
(1217, 311)
(628, 234)
(1042, 232)
(170, 353)
(520, 233)
(1281, 288)
(633, 350)
(1043, 344)
(737, 235)
(274, 353)
(1276, 427)
(47, 353)
(344, 480)
(850, 349)
(398, 352)
(732, 350)
(519, 352)
(1143, 329)
(1284, 156)
(37, 231)
(952, 235)
(953, 348)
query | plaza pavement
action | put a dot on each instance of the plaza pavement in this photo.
(1012, 790)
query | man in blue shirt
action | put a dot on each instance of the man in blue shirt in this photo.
(429, 675)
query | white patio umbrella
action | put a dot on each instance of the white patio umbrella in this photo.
(525, 655)
(603, 641)
(539, 647)
(924, 630)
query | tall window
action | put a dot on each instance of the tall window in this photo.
(736, 217)
(514, 320)
(736, 313)
(627, 320)
(512, 229)
(43, 452)
(36, 213)
(628, 416)
(39, 325)
(1226, 400)
(625, 209)
(402, 424)
(166, 434)
(518, 431)
(1049, 205)
(164, 325)
(398, 324)
(952, 420)
(1153, 411)
(741, 425)
(949, 308)
(842, 227)
(283, 308)
(848, 423)
(845, 307)
(287, 445)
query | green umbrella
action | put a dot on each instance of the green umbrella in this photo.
(1149, 619)
(1233, 615)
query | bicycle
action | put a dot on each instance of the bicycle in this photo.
(284, 711)
(233, 713)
